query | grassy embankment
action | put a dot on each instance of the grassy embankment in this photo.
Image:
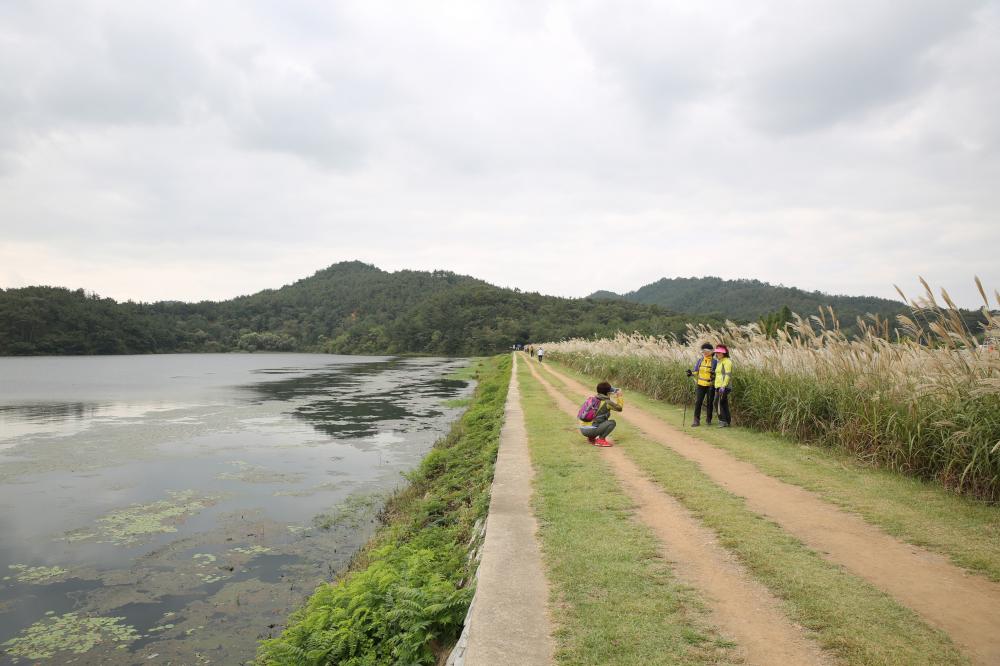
(613, 597)
(403, 599)
(918, 511)
(850, 618)
(925, 401)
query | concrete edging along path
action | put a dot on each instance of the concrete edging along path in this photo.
(964, 605)
(744, 609)
(508, 623)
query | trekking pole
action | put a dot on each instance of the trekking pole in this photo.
(684, 418)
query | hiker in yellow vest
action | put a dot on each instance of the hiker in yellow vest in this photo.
(704, 376)
(723, 383)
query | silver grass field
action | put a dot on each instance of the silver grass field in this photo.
(920, 395)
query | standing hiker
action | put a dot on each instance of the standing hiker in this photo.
(541, 354)
(723, 383)
(704, 374)
(595, 414)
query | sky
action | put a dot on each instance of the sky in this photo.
(191, 150)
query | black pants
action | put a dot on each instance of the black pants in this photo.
(724, 407)
(700, 395)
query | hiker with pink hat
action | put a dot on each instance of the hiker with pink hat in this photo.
(723, 383)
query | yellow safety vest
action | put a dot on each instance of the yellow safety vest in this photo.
(705, 374)
(723, 372)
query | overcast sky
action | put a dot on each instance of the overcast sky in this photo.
(200, 150)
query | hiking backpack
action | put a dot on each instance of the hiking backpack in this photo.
(588, 410)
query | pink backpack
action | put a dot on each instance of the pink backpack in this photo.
(588, 411)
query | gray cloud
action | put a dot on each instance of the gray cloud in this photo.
(211, 149)
(846, 59)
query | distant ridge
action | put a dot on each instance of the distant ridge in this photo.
(348, 308)
(750, 300)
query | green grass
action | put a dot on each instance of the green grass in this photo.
(403, 600)
(457, 402)
(469, 372)
(857, 622)
(614, 598)
(919, 512)
(351, 513)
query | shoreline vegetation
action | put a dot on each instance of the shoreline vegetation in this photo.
(405, 595)
(926, 403)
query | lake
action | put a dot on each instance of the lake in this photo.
(175, 508)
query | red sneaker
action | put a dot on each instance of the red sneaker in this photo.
(592, 440)
(603, 442)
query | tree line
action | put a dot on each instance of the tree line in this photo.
(348, 308)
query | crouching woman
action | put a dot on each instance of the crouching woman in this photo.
(597, 430)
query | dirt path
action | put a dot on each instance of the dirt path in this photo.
(508, 622)
(964, 605)
(742, 608)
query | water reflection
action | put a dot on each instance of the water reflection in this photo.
(277, 444)
(353, 402)
(50, 412)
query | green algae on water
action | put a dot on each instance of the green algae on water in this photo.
(306, 492)
(248, 473)
(127, 527)
(68, 633)
(204, 559)
(37, 575)
(250, 550)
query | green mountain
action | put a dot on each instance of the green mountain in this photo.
(752, 300)
(349, 307)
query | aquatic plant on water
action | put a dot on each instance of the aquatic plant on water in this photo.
(37, 575)
(69, 633)
(129, 526)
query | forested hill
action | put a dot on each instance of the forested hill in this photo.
(751, 300)
(349, 307)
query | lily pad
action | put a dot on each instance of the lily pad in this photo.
(129, 526)
(251, 550)
(68, 633)
(37, 575)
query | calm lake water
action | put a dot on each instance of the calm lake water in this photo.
(175, 508)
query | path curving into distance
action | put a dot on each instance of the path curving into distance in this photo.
(744, 609)
(964, 605)
(508, 623)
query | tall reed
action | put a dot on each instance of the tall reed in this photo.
(922, 397)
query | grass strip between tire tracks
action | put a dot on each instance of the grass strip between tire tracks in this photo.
(614, 599)
(852, 619)
(919, 512)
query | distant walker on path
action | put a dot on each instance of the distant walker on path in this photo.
(541, 354)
